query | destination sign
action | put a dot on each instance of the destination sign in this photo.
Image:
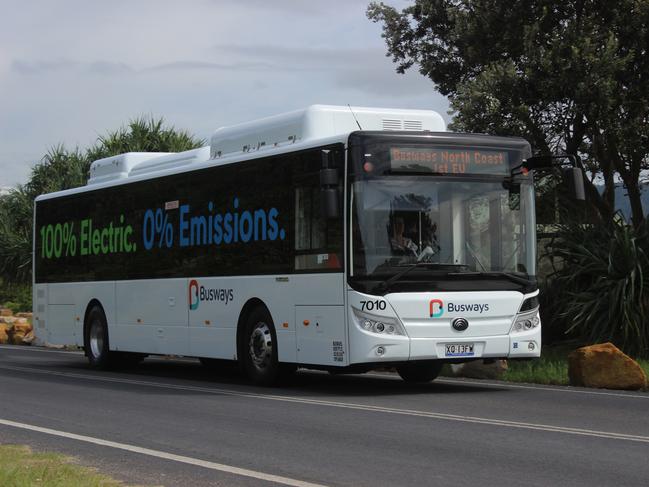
(449, 161)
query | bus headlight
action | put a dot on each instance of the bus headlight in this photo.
(526, 322)
(379, 325)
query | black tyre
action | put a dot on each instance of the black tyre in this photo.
(420, 371)
(258, 352)
(96, 340)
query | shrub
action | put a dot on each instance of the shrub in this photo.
(599, 289)
(16, 297)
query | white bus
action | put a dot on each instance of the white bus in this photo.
(333, 238)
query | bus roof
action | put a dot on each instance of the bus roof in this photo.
(299, 127)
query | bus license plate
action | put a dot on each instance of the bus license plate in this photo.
(459, 350)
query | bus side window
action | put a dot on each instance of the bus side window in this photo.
(309, 225)
(318, 241)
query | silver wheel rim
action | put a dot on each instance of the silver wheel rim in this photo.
(96, 339)
(261, 346)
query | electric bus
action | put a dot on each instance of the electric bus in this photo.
(333, 238)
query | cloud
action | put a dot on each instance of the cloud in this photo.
(379, 82)
(41, 67)
(295, 6)
(289, 57)
(107, 68)
(361, 69)
(202, 65)
(72, 70)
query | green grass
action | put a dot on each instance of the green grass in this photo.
(19, 467)
(549, 369)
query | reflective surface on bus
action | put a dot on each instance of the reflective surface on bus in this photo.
(475, 225)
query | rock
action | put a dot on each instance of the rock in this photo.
(20, 320)
(29, 338)
(6, 312)
(23, 328)
(16, 338)
(18, 332)
(605, 366)
(9, 320)
(4, 333)
(477, 369)
(25, 315)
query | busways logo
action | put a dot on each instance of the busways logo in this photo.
(198, 293)
(437, 308)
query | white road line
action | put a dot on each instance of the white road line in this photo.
(164, 455)
(344, 405)
(543, 388)
(509, 385)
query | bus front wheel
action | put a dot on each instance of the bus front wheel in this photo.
(420, 371)
(259, 349)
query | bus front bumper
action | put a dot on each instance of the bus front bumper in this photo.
(379, 349)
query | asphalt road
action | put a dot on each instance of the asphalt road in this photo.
(175, 423)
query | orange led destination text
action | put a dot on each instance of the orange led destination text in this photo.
(453, 162)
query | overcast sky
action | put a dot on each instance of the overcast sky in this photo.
(71, 70)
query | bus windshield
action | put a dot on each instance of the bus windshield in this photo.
(452, 227)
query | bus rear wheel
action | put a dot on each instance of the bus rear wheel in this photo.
(96, 339)
(259, 349)
(420, 371)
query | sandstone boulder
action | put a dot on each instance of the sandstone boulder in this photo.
(7, 320)
(605, 366)
(29, 338)
(18, 332)
(477, 369)
(4, 333)
(6, 312)
(24, 315)
(23, 328)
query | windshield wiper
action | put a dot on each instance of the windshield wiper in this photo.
(507, 275)
(385, 285)
(474, 255)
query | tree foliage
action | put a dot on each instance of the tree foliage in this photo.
(61, 169)
(143, 135)
(569, 76)
(599, 284)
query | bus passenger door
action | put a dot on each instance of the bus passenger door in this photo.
(319, 312)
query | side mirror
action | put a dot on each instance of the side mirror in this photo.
(330, 200)
(574, 178)
(539, 162)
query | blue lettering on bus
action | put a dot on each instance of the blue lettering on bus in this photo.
(198, 228)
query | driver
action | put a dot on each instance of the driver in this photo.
(399, 241)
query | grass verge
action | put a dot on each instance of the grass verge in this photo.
(20, 467)
(551, 368)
